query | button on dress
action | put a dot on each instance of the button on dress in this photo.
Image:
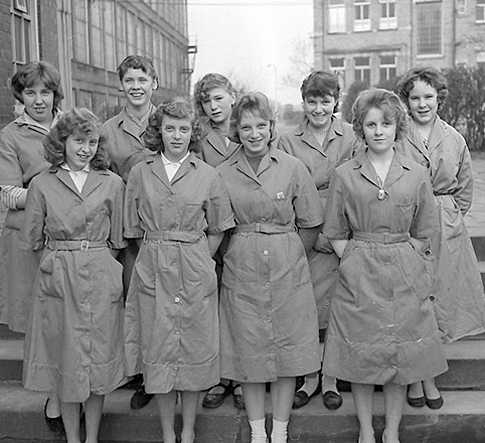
(171, 321)
(74, 343)
(382, 326)
(269, 325)
(459, 299)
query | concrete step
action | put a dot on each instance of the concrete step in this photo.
(460, 420)
(466, 359)
(479, 246)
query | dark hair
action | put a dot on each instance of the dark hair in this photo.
(388, 102)
(77, 120)
(320, 84)
(206, 84)
(33, 72)
(137, 62)
(177, 107)
(429, 75)
(252, 103)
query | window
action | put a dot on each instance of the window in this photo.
(131, 28)
(461, 7)
(336, 16)
(362, 70)
(481, 59)
(388, 18)
(480, 11)
(121, 50)
(23, 32)
(337, 67)
(109, 36)
(81, 45)
(429, 28)
(362, 18)
(387, 67)
(97, 24)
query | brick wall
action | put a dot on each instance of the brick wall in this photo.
(6, 99)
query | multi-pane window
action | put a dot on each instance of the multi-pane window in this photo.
(336, 16)
(388, 18)
(24, 36)
(337, 67)
(430, 28)
(480, 11)
(362, 17)
(387, 67)
(97, 32)
(461, 6)
(131, 34)
(121, 50)
(109, 36)
(362, 70)
(81, 46)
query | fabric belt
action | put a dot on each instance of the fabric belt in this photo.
(385, 238)
(75, 245)
(264, 228)
(180, 236)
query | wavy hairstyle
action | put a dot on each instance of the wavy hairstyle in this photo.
(32, 73)
(137, 62)
(429, 75)
(78, 120)
(320, 84)
(388, 102)
(177, 107)
(206, 84)
(253, 103)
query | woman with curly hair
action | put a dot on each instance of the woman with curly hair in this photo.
(457, 290)
(177, 209)
(74, 220)
(381, 215)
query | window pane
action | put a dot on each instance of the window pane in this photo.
(429, 28)
(18, 38)
(27, 40)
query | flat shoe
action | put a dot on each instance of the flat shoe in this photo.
(54, 424)
(213, 401)
(436, 403)
(301, 399)
(140, 398)
(238, 399)
(332, 400)
(418, 402)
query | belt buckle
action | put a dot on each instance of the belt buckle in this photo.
(84, 245)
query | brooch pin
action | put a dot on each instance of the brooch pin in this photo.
(381, 194)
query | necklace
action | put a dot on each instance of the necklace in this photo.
(381, 194)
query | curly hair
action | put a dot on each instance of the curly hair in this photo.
(388, 102)
(206, 84)
(179, 108)
(79, 120)
(137, 62)
(320, 84)
(255, 103)
(429, 75)
(32, 73)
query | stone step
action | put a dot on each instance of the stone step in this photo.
(479, 246)
(466, 359)
(460, 420)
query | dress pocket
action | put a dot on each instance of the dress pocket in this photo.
(50, 286)
(348, 284)
(284, 210)
(404, 216)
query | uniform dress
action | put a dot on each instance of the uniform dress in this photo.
(214, 146)
(21, 159)
(171, 321)
(457, 290)
(124, 143)
(74, 344)
(382, 326)
(321, 161)
(269, 325)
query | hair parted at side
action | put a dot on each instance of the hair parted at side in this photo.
(253, 103)
(32, 73)
(206, 84)
(429, 75)
(78, 120)
(390, 105)
(178, 107)
(320, 84)
(137, 62)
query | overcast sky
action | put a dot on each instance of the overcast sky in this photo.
(250, 40)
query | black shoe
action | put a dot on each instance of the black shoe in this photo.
(332, 400)
(238, 399)
(140, 398)
(436, 403)
(416, 402)
(302, 398)
(54, 424)
(213, 401)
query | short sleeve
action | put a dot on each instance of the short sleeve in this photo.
(308, 209)
(10, 170)
(336, 222)
(32, 232)
(218, 210)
